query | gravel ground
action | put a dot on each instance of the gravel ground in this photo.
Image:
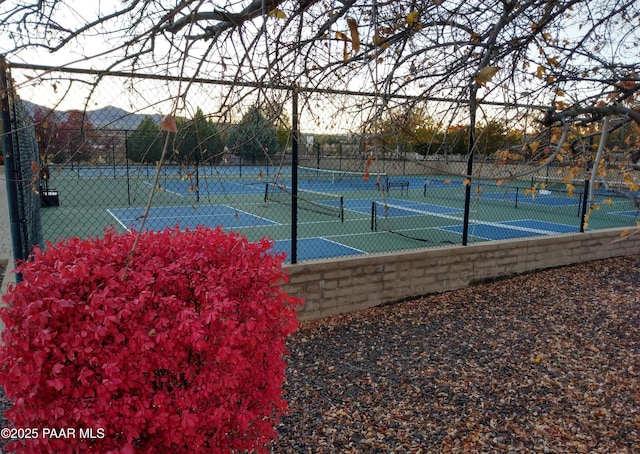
(547, 362)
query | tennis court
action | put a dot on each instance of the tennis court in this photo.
(339, 213)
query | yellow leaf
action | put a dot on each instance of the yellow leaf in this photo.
(447, 181)
(531, 191)
(486, 74)
(553, 61)
(624, 233)
(570, 188)
(466, 182)
(413, 20)
(355, 35)
(540, 72)
(380, 40)
(537, 359)
(342, 36)
(277, 13)
(260, 175)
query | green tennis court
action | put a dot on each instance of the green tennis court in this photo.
(339, 213)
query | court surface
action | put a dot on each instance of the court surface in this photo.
(339, 214)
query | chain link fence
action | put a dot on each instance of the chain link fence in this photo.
(88, 159)
(21, 161)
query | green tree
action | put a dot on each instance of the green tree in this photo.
(198, 140)
(145, 143)
(254, 138)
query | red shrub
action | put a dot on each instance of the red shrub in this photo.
(183, 355)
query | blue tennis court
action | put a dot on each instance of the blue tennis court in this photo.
(168, 216)
(512, 229)
(549, 200)
(212, 186)
(316, 248)
(400, 208)
(229, 218)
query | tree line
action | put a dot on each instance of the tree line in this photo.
(73, 138)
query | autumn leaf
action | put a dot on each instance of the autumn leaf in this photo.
(532, 192)
(413, 20)
(277, 14)
(486, 74)
(379, 40)
(342, 36)
(553, 61)
(355, 35)
(168, 123)
(467, 182)
(540, 72)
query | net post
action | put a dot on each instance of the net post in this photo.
(342, 209)
(295, 135)
(373, 216)
(517, 194)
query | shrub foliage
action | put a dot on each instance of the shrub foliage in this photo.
(185, 354)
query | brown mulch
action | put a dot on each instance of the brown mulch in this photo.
(546, 362)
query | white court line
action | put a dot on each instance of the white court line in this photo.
(118, 220)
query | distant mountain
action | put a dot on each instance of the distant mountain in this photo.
(104, 118)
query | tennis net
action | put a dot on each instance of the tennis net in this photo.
(343, 179)
(415, 221)
(318, 202)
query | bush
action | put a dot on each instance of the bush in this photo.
(185, 354)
